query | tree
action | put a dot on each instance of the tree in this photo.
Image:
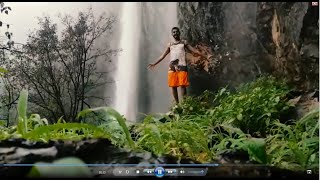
(8, 100)
(60, 72)
(5, 9)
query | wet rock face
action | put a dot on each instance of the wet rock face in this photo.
(290, 34)
(232, 42)
(249, 39)
(200, 21)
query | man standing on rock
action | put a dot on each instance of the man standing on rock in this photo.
(178, 69)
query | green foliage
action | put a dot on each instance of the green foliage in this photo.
(195, 105)
(228, 120)
(256, 148)
(296, 146)
(181, 138)
(22, 112)
(37, 128)
(200, 127)
(66, 131)
(6, 133)
(35, 121)
(254, 106)
(225, 137)
(231, 138)
(121, 121)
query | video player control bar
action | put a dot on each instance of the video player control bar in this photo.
(159, 171)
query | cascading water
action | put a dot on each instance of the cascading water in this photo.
(127, 67)
(145, 31)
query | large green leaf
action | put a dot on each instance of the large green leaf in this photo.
(257, 149)
(61, 168)
(56, 131)
(111, 112)
(22, 112)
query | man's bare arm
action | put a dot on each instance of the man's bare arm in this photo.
(163, 55)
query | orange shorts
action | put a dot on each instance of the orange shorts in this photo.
(178, 78)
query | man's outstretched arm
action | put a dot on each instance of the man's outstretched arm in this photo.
(163, 55)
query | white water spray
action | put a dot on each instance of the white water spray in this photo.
(128, 62)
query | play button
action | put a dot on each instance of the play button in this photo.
(159, 172)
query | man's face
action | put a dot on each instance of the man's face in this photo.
(176, 33)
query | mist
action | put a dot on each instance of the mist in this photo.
(155, 22)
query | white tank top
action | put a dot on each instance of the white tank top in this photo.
(177, 51)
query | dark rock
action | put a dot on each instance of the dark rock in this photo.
(25, 143)
(235, 157)
(91, 151)
(278, 38)
(204, 14)
(307, 102)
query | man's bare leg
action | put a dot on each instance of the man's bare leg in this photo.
(183, 91)
(175, 94)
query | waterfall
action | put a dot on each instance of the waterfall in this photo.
(127, 66)
(145, 32)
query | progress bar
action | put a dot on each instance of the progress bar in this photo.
(112, 165)
(135, 165)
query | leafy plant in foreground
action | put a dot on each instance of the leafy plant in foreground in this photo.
(57, 169)
(37, 128)
(22, 113)
(253, 107)
(121, 121)
(227, 138)
(195, 105)
(181, 138)
(296, 146)
(227, 121)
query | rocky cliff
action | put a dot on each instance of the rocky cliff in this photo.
(249, 39)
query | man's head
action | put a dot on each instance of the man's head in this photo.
(175, 33)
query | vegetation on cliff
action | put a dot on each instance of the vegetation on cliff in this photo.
(250, 119)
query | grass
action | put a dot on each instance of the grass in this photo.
(200, 128)
(296, 146)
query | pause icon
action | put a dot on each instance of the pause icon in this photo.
(159, 172)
